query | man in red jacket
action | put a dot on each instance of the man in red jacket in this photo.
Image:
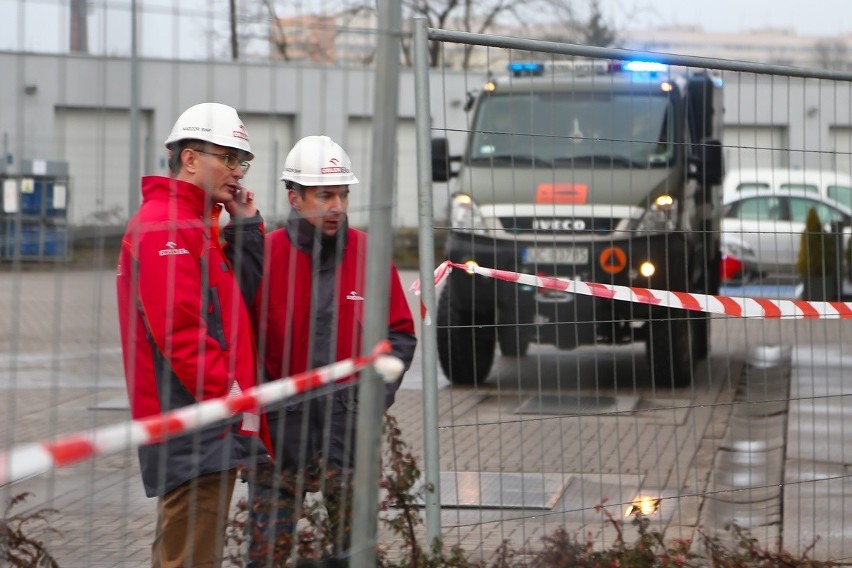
(309, 315)
(185, 327)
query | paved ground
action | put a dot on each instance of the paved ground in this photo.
(730, 446)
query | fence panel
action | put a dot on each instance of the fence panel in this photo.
(544, 401)
(627, 325)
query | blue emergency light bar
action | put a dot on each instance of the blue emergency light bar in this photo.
(536, 69)
(644, 67)
(526, 69)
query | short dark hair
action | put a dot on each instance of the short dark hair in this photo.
(294, 186)
(178, 147)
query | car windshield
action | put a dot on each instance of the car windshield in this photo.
(602, 130)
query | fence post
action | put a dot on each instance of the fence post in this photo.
(426, 226)
(380, 241)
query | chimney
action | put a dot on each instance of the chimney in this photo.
(78, 33)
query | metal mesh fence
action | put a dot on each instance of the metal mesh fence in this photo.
(567, 407)
(534, 407)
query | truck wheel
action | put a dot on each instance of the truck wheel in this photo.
(513, 341)
(669, 350)
(700, 336)
(465, 350)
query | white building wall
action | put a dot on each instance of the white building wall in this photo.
(78, 111)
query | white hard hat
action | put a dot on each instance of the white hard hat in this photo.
(211, 122)
(318, 160)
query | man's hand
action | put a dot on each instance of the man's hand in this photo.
(243, 204)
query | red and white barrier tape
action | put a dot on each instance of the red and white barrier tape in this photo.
(32, 459)
(724, 305)
(440, 273)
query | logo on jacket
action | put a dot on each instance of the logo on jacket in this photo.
(354, 296)
(172, 250)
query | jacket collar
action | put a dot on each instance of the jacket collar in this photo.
(182, 192)
(310, 240)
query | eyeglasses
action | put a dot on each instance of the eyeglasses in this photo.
(231, 162)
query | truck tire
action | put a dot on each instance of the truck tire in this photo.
(669, 350)
(465, 350)
(513, 341)
(700, 336)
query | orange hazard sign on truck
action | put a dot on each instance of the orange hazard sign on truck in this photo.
(612, 260)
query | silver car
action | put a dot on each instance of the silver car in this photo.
(771, 223)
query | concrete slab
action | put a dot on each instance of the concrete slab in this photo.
(482, 489)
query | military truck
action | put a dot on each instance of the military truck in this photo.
(605, 172)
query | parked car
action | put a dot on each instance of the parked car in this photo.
(832, 184)
(771, 222)
(739, 263)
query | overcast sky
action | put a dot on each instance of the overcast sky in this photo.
(169, 27)
(807, 17)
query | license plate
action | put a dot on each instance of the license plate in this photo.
(556, 255)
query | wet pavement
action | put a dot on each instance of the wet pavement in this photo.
(536, 447)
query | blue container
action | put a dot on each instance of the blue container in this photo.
(32, 239)
(31, 198)
(39, 201)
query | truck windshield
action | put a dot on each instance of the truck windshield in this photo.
(600, 130)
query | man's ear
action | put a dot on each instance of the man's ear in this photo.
(295, 199)
(189, 160)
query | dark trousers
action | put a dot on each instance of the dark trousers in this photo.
(314, 452)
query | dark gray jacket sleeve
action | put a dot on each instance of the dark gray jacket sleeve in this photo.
(245, 241)
(403, 346)
(400, 333)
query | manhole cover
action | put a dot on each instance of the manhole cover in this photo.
(501, 490)
(583, 404)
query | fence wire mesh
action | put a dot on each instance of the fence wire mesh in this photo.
(695, 177)
(554, 409)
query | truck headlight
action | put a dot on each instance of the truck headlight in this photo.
(661, 216)
(465, 215)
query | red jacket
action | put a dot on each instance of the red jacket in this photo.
(283, 309)
(186, 332)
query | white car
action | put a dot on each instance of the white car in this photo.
(739, 263)
(771, 224)
(834, 185)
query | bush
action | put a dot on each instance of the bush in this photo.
(19, 549)
(816, 249)
(401, 513)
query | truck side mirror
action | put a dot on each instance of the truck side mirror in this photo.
(707, 164)
(441, 160)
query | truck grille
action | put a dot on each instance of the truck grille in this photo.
(559, 225)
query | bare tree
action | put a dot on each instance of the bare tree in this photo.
(436, 12)
(597, 32)
(277, 35)
(259, 23)
(484, 16)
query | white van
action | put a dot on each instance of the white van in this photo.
(828, 183)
